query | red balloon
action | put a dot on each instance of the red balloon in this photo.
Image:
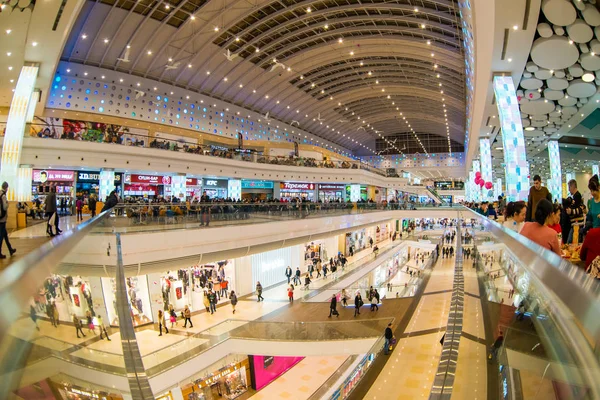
(488, 185)
(477, 174)
(481, 182)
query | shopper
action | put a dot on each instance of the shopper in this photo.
(34, 317)
(205, 209)
(50, 314)
(536, 193)
(389, 335)
(290, 293)
(496, 346)
(51, 214)
(111, 201)
(79, 208)
(333, 307)
(374, 301)
(590, 249)
(344, 298)
(187, 315)
(55, 314)
(162, 322)
(555, 223)
(78, 325)
(259, 290)
(574, 209)
(307, 281)
(205, 301)
(514, 215)
(212, 299)
(288, 274)
(358, 302)
(92, 205)
(538, 231)
(90, 322)
(297, 280)
(172, 316)
(593, 215)
(3, 218)
(102, 327)
(233, 299)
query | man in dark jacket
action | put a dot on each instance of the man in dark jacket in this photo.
(536, 193)
(574, 210)
(333, 307)
(111, 201)
(92, 205)
(50, 204)
(388, 338)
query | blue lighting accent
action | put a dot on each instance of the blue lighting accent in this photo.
(101, 109)
(57, 79)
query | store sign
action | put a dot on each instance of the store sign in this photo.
(214, 183)
(332, 187)
(257, 185)
(296, 186)
(191, 182)
(94, 176)
(43, 176)
(149, 179)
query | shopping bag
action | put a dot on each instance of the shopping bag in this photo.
(393, 340)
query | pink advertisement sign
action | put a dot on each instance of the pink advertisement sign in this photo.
(265, 369)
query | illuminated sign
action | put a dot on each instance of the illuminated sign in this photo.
(296, 186)
(43, 176)
(257, 184)
(214, 183)
(331, 187)
(149, 179)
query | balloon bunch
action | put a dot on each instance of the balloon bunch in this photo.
(481, 182)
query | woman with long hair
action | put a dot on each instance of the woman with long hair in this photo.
(539, 230)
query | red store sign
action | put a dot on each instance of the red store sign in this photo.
(148, 179)
(191, 182)
(296, 186)
(43, 176)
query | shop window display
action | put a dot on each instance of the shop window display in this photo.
(356, 241)
(137, 296)
(228, 382)
(68, 294)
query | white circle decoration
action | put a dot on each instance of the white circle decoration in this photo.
(557, 84)
(588, 77)
(567, 101)
(531, 67)
(580, 32)
(579, 88)
(531, 83)
(544, 51)
(576, 71)
(553, 94)
(595, 46)
(555, 114)
(559, 12)
(559, 74)
(559, 30)
(583, 100)
(591, 15)
(568, 111)
(544, 30)
(525, 122)
(537, 107)
(527, 75)
(532, 94)
(590, 62)
(550, 130)
(543, 74)
(533, 133)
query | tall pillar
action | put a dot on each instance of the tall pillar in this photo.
(107, 183)
(595, 168)
(498, 187)
(15, 129)
(485, 154)
(178, 185)
(354, 193)
(234, 189)
(555, 172)
(476, 188)
(515, 155)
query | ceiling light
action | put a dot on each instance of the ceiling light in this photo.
(326, 26)
(422, 26)
(351, 53)
(340, 40)
(308, 9)
(257, 50)
(167, 7)
(105, 40)
(121, 80)
(10, 68)
(216, 29)
(8, 54)
(588, 77)
(68, 70)
(510, 60)
(103, 77)
(8, 31)
(530, 128)
(515, 27)
(225, 79)
(570, 42)
(34, 44)
(149, 52)
(193, 18)
(241, 86)
(170, 59)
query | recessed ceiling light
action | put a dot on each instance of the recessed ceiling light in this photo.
(340, 40)
(106, 40)
(216, 29)
(34, 44)
(149, 52)
(8, 54)
(193, 18)
(515, 27)
(308, 9)
(510, 60)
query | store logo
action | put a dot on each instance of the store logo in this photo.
(297, 186)
(211, 183)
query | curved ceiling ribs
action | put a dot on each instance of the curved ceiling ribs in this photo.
(335, 61)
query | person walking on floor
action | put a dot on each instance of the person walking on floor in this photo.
(51, 213)
(90, 322)
(333, 307)
(3, 218)
(172, 316)
(374, 306)
(78, 324)
(79, 208)
(297, 280)
(34, 317)
(288, 273)
(344, 298)
(162, 322)
(205, 301)
(325, 271)
(233, 299)
(290, 293)
(212, 299)
(389, 335)
(55, 314)
(50, 314)
(92, 205)
(102, 327)
(259, 290)
(306, 281)
(187, 314)
(358, 302)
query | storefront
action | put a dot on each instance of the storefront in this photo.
(363, 192)
(88, 182)
(446, 198)
(352, 380)
(69, 294)
(228, 382)
(188, 286)
(215, 188)
(193, 188)
(329, 192)
(137, 295)
(146, 185)
(292, 190)
(62, 181)
(257, 190)
(449, 185)
(356, 241)
(266, 369)
(69, 391)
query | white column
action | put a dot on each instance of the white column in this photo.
(354, 193)
(234, 189)
(178, 184)
(595, 168)
(15, 129)
(555, 171)
(107, 183)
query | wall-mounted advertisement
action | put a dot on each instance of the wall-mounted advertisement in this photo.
(265, 369)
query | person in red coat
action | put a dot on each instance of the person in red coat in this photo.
(590, 249)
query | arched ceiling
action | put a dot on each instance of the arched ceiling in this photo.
(352, 72)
